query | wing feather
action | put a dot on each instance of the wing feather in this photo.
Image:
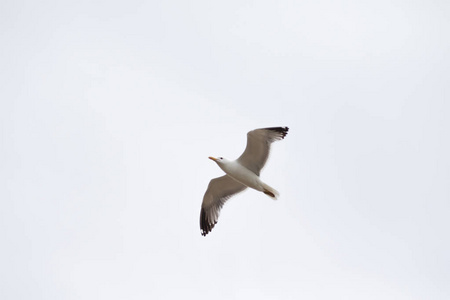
(219, 191)
(258, 147)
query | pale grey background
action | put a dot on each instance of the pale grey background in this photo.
(109, 110)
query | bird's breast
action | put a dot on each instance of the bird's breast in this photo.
(243, 175)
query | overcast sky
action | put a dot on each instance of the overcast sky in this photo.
(110, 109)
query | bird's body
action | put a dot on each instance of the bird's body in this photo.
(240, 174)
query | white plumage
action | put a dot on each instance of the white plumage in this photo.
(240, 174)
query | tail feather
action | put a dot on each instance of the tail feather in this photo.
(270, 191)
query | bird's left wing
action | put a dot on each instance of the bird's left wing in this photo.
(219, 191)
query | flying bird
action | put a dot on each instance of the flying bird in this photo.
(240, 174)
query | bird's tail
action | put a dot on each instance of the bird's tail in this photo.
(270, 191)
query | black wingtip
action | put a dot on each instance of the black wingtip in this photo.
(205, 226)
(281, 130)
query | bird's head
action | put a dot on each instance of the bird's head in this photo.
(218, 160)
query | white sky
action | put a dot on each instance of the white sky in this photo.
(109, 110)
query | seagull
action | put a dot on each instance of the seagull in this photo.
(240, 174)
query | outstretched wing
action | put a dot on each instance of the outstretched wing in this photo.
(258, 147)
(219, 191)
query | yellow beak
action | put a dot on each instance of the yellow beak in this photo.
(213, 158)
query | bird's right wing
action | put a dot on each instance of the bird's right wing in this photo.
(219, 191)
(258, 147)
